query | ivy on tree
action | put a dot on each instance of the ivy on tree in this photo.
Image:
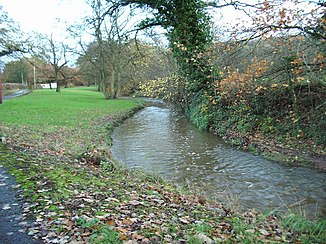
(188, 31)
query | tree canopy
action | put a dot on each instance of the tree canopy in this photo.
(9, 41)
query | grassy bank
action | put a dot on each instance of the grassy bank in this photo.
(58, 150)
(265, 119)
(72, 122)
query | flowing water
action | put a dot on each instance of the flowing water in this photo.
(162, 140)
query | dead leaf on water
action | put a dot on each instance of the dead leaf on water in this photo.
(6, 207)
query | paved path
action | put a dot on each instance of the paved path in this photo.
(12, 220)
(17, 94)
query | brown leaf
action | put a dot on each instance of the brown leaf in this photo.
(110, 222)
(127, 222)
(135, 202)
(86, 233)
(184, 220)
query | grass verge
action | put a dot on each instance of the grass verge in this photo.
(58, 152)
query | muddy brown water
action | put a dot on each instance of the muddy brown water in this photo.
(163, 141)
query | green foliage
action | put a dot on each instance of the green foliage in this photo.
(188, 31)
(111, 166)
(170, 88)
(17, 72)
(101, 233)
(189, 36)
(204, 228)
(311, 231)
(270, 111)
(198, 113)
(194, 240)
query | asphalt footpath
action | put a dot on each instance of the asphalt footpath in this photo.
(13, 222)
(17, 94)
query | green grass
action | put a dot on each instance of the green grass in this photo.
(71, 122)
(311, 231)
(72, 107)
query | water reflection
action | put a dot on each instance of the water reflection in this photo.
(161, 140)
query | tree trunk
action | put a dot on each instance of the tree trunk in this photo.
(56, 80)
(112, 84)
(119, 85)
(0, 89)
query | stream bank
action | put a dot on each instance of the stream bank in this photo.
(74, 201)
(162, 140)
(296, 154)
(292, 152)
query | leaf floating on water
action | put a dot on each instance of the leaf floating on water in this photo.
(24, 223)
(6, 207)
(33, 232)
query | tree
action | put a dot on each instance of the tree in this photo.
(273, 73)
(9, 32)
(293, 17)
(54, 54)
(87, 64)
(109, 54)
(188, 31)
(286, 36)
(9, 44)
(99, 61)
(17, 72)
(153, 62)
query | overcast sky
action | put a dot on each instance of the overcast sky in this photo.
(51, 16)
(54, 16)
(45, 16)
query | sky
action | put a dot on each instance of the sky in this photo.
(45, 16)
(51, 16)
(54, 16)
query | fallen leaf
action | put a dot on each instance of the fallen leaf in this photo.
(6, 207)
(264, 232)
(184, 220)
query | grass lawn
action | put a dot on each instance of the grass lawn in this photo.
(56, 145)
(71, 122)
(70, 108)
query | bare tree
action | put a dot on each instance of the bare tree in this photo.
(109, 53)
(54, 53)
(9, 41)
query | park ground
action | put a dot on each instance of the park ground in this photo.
(57, 148)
